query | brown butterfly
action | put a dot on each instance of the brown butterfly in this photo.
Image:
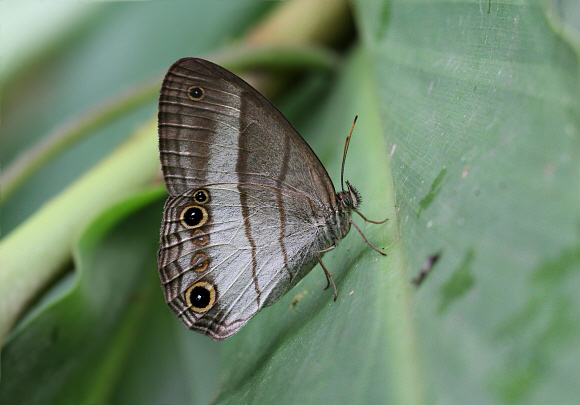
(251, 210)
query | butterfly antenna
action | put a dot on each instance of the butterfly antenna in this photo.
(346, 150)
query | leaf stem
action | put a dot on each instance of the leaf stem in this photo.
(70, 132)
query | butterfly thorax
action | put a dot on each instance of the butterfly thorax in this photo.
(347, 200)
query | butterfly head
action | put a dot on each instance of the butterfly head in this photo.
(349, 198)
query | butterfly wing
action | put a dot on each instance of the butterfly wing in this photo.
(240, 260)
(224, 258)
(230, 134)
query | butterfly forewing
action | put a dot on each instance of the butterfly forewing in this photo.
(231, 130)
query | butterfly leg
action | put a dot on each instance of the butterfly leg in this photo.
(329, 279)
(368, 220)
(365, 239)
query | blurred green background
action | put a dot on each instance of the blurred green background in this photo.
(467, 140)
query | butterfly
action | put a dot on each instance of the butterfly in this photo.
(251, 209)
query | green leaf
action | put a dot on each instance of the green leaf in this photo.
(480, 102)
(76, 342)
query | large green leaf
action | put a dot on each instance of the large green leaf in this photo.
(481, 104)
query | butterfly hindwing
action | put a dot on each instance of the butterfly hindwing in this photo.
(244, 270)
